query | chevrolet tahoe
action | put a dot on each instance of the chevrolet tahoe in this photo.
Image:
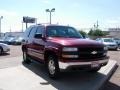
(62, 47)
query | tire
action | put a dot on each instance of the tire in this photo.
(26, 58)
(53, 67)
(94, 70)
(1, 50)
(117, 49)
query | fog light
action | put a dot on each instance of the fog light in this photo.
(68, 49)
(105, 54)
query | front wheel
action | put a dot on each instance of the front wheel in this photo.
(1, 50)
(117, 48)
(26, 58)
(53, 67)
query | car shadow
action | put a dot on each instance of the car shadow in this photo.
(111, 86)
(113, 50)
(70, 80)
(5, 54)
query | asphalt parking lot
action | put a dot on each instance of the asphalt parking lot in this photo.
(112, 84)
(14, 52)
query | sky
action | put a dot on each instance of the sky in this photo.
(76, 13)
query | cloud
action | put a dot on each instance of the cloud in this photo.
(46, 1)
(76, 4)
(8, 13)
(10, 19)
(112, 21)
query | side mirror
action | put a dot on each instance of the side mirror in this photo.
(38, 36)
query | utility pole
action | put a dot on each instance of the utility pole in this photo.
(22, 26)
(97, 25)
(1, 17)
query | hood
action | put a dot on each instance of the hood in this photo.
(2, 44)
(109, 43)
(74, 42)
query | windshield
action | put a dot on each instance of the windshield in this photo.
(108, 40)
(62, 31)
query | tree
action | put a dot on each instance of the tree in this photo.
(90, 33)
(96, 32)
(83, 33)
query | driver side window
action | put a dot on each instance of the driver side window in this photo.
(40, 30)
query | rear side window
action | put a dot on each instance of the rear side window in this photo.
(32, 33)
(27, 32)
(40, 30)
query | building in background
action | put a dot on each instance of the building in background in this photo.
(114, 32)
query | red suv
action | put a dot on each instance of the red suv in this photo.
(61, 48)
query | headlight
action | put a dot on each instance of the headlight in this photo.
(70, 49)
(105, 48)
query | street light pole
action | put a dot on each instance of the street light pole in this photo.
(50, 17)
(50, 11)
(1, 17)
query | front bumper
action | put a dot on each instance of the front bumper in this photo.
(7, 50)
(112, 47)
(64, 65)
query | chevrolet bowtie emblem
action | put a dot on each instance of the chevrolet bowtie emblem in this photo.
(94, 52)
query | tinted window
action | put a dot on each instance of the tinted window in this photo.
(40, 29)
(32, 33)
(108, 40)
(62, 31)
(26, 34)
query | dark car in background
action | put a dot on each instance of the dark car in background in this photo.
(117, 40)
(9, 40)
(1, 40)
(12, 40)
(17, 40)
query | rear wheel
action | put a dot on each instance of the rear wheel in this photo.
(1, 50)
(116, 48)
(52, 67)
(26, 58)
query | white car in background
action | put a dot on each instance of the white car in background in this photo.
(4, 48)
(108, 42)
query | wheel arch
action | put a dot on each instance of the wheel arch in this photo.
(24, 48)
(1, 48)
(49, 52)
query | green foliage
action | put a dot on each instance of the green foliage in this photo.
(96, 32)
(91, 32)
(83, 33)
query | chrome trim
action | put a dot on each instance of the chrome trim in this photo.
(63, 65)
(70, 56)
(94, 52)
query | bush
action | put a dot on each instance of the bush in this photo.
(96, 32)
(84, 34)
